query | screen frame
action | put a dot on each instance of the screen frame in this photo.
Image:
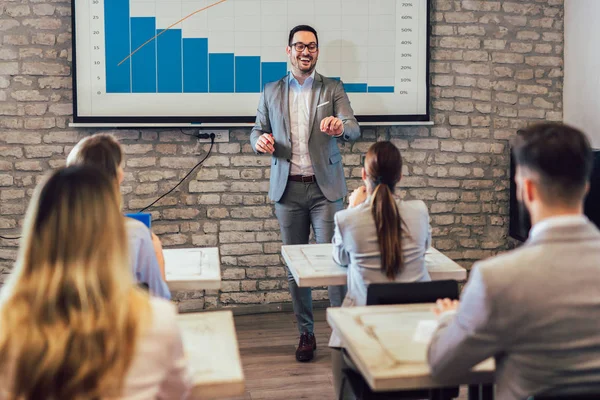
(224, 121)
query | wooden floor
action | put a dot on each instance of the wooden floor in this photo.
(267, 346)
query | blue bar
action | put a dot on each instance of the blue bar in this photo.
(116, 36)
(272, 71)
(355, 87)
(381, 89)
(143, 62)
(195, 65)
(221, 73)
(247, 74)
(168, 49)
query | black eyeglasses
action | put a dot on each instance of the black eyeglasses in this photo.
(299, 46)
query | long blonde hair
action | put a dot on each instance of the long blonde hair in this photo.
(71, 314)
(383, 166)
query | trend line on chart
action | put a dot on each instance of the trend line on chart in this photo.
(169, 27)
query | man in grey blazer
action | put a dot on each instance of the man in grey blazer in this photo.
(299, 121)
(536, 309)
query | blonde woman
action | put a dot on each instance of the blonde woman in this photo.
(103, 151)
(72, 323)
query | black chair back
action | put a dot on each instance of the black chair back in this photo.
(411, 293)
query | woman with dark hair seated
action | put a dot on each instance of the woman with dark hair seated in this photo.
(379, 238)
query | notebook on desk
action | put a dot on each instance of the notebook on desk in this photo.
(145, 218)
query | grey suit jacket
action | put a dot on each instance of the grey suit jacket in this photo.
(355, 245)
(273, 116)
(536, 310)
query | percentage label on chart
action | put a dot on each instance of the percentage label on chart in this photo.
(405, 80)
(407, 17)
(406, 55)
(405, 67)
(406, 30)
(407, 4)
(403, 92)
(406, 42)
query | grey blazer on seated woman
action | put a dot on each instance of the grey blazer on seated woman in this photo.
(355, 245)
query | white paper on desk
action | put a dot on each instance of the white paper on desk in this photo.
(425, 330)
(184, 262)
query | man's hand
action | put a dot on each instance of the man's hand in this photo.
(266, 143)
(357, 197)
(332, 126)
(443, 305)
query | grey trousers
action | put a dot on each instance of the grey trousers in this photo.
(303, 205)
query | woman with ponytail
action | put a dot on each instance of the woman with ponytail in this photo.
(378, 238)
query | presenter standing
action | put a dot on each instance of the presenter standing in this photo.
(299, 121)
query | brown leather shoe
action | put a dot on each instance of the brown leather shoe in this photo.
(306, 347)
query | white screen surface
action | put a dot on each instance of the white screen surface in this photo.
(211, 66)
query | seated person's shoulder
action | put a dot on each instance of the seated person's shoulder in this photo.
(509, 266)
(136, 228)
(413, 206)
(134, 224)
(350, 214)
(163, 317)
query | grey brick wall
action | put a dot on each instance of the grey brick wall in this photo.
(495, 66)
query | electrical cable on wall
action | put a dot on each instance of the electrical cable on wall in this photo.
(197, 135)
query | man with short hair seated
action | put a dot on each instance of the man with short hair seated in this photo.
(535, 309)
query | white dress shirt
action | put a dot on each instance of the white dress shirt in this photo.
(299, 98)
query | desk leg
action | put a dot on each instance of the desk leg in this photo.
(474, 392)
(487, 392)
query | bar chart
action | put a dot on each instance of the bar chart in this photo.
(214, 57)
(171, 63)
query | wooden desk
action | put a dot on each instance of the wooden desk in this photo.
(193, 269)
(313, 265)
(382, 343)
(210, 345)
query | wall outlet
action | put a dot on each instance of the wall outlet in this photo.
(221, 135)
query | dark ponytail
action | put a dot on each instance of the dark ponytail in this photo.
(383, 165)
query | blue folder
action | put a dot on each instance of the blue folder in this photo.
(145, 218)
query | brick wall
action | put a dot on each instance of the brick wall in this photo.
(496, 66)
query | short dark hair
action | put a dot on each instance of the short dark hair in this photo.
(560, 155)
(302, 28)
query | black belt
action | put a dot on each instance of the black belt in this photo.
(302, 178)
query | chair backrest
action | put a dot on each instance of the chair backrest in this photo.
(409, 293)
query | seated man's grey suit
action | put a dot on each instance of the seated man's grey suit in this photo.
(535, 309)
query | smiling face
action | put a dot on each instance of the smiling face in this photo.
(303, 62)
